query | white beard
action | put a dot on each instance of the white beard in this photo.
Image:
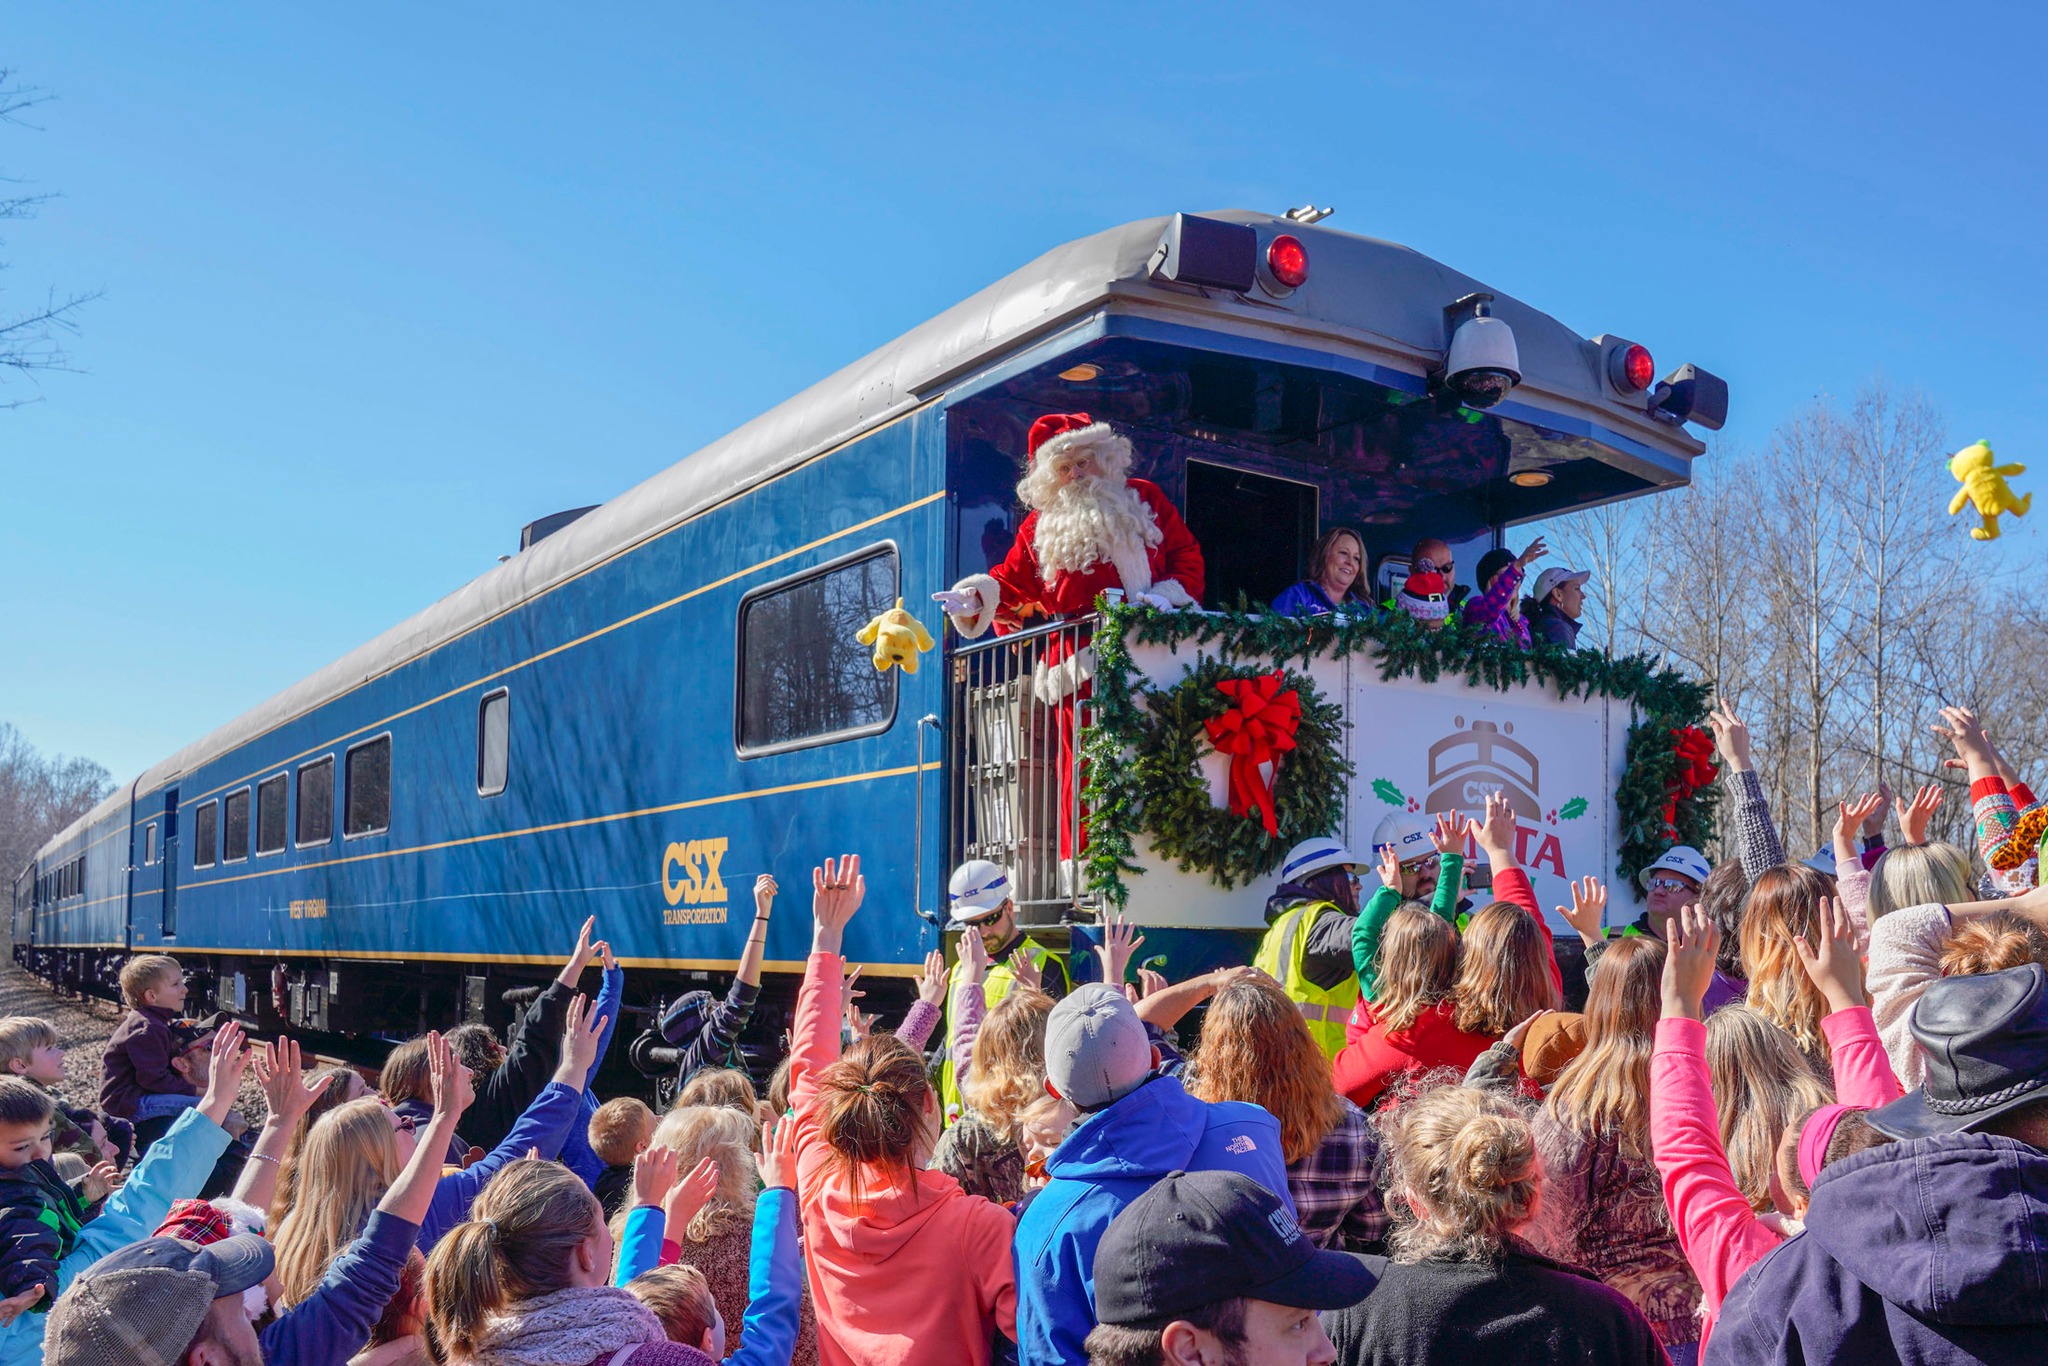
(1091, 520)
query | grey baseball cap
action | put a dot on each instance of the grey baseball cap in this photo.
(143, 1303)
(1096, 1050)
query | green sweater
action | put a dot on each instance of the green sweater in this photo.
(1372, 921)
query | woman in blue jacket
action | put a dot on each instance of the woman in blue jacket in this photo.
(1336, 578)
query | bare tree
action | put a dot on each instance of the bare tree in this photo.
(40, 794)
(31, 339)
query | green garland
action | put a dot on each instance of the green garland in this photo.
(1663, 698)
(1308, 788)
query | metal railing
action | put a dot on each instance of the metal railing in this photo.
(1018, 712)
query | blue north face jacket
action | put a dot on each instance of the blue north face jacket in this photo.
(1105, 1162)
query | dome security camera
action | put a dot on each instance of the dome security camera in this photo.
(1482, 365)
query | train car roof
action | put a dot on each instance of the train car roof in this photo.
(1368, 298)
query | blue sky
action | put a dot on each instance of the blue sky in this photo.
(384, 282)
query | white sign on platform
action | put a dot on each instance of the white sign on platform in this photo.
(1424, 748)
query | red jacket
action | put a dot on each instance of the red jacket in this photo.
(1026, 592)
(1373, 1059)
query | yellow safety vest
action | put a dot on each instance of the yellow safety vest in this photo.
(999, 982)
(1280, 954)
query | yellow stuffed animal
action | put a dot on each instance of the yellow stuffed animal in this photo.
(898, 637)
(1983, 481)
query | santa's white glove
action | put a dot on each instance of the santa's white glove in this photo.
(958, 603)
(1152, 600)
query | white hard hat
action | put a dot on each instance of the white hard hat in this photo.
(1314, 856)
(1823, 860)
(1681, 859)
(978, 890)
(1409, 839)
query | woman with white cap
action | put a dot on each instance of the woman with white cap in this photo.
(1555, 604)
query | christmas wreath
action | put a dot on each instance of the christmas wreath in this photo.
(1256, 716)
(1662, 799)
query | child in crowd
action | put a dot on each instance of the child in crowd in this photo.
(40, 1215)
(137, 1081)
(29, 1049)
(620, 1131)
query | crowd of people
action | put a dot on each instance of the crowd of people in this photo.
(1792, 1112)
(1826, 1145)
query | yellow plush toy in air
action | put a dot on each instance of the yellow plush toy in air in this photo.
(897, 637)
(1983, 481)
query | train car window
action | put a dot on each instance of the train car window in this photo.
(149, 845)
(366, 802)
(272, 807)
(316, 802)
(803, 679)
(234, 827)
(493, 742)
(205, 834)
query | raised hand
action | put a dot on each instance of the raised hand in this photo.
(605, 959)
(224, 1069)
(284, 1082)
(1150, 982)
(582, 1031)
(958, 603)
(1690, 945)
(453, 1085)
(1915, 815)
(1588, 912)
(579, 957)
(1496, 835)
(1832, 962)
(1029, 972)
(1731, 736)
(108, 1175)
(837, 889)
(1120, 939)
(1873, 824)
(765, 889)
(1536, 551)
(654, 1174)
(1390, 867)
(1958, 725)
(1857, 811)
(1447, 837)
(974, 954)
(777, 1156)
(931, 983)
(691, 1194)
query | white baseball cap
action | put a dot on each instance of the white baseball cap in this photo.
(1410, 840)
(1314, 856)
(1681, 859)
(1556, 577)
(979, 890)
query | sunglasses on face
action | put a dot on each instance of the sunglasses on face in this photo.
(404, 1124)
(1427, 864)
(1669, 884)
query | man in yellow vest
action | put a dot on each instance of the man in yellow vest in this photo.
(1307, 948)
(982, 904)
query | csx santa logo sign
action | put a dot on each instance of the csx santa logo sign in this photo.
(691, 884)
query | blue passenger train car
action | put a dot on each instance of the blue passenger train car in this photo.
(643, 710)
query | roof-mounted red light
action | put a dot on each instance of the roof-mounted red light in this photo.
(1632, 369)
(1287, 258)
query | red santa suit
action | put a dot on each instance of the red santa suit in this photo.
(1080, 538)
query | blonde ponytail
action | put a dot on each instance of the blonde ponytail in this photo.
(520, 1242)
(1466, 1170)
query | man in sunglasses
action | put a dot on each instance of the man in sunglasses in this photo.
(1673, 881)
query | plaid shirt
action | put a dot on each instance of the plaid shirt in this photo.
(1336, 1192)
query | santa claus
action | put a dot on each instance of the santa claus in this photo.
(1091, 527)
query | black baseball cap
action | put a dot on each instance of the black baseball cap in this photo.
(1985, 1042)
(1199, 1238)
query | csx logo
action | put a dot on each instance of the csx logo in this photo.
(699, 881)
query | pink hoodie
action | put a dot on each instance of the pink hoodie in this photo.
(1720, 1233)
(918, 1270)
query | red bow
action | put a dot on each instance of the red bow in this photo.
(1695, 751)
(1256, 731)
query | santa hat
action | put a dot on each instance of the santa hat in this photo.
(1425, 596)
(1055, 434)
